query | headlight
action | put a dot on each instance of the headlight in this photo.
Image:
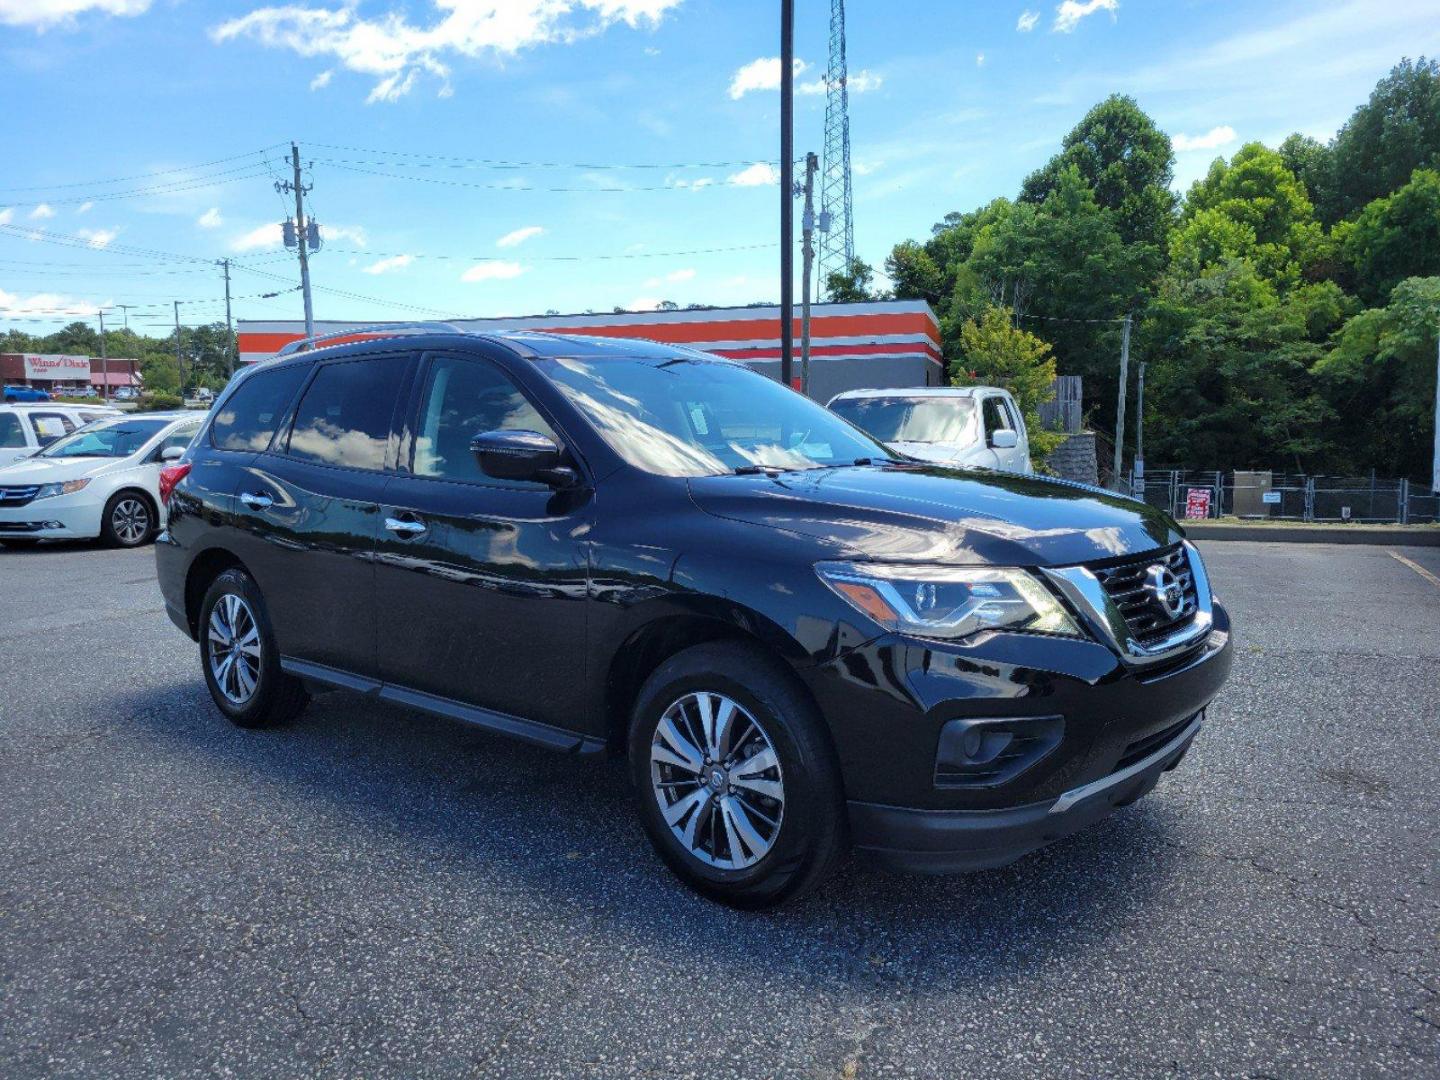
(69, 487)
(948, 602)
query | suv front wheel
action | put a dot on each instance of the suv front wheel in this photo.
(738, 785)
(239, 657)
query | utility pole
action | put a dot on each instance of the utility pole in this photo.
(229, 331)
(125, 312)
(1120, 404)
(807, 248)
(787, 191)
(1435, 461)
(300, 191)
(1139, 484)
(104, 360)
(179, 362)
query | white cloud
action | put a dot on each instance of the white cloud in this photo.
(319, 82)
(210, 219)
(675, 277)
(394, 262)
(396, 51)
(262, 236)
(1027, 22)
(85, 208)
(762, 172)
(519, 236)
(41, 212)
(859, 82)
(42, 304)
(97, 238)
(693, 184)
(354, 233)
(644, 303)
(980, 59)
(493, 271)
(6, 215)
(1213, 139)
(43, 14)
(1069, 13)
(761, 74)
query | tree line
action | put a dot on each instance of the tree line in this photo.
(1286, 306)
(202, 348)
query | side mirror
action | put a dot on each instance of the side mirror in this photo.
(1004, 439)
(521, 455)
(172, 453)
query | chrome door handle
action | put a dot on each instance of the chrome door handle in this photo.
(256, 502)
(404, 528)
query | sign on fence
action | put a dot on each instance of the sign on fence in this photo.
(1197, 503)
(1271, 497)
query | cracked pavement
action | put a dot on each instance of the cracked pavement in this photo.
(374, 892)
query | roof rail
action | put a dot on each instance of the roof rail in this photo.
(377, 328)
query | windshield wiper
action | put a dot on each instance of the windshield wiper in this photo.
(758, 470)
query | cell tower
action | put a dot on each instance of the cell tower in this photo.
(837, 245)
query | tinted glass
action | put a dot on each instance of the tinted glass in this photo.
(686, 417)
(922, 420)
(49, 426)
(344, 417)
(995, 418)
(248, 418)
(464, 398)
(116, 439)
(11, 434)
(179, 437)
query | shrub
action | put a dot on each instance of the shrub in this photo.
(158, 402)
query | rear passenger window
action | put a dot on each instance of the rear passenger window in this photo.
(344, 417)
(50, 426)
(464, 398)
(248, 418)
(11, 435)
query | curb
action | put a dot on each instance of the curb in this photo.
(1317, 534)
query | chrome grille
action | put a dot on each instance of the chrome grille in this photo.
(1127, 583)
(18, 496)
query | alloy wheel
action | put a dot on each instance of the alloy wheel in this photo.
(130, 521)
(233, 642)
(717, 780)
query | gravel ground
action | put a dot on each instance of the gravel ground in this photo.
(370, 892)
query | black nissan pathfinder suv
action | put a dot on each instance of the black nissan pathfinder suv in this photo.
(800, 641)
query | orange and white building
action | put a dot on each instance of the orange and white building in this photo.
(881, 343)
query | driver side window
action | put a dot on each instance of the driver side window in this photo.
(464, 397)
(995, 418)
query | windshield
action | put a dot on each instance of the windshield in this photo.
(915, 419)
(705, 417)
(117, 439)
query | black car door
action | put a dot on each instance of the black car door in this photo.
(311, 504)
(480, 583)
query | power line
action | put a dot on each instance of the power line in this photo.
(454, 161)
(193, 184)
(143, 176)
(592, 190)
(557, 258)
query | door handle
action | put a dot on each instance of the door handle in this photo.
(256, 501)
(404, 528)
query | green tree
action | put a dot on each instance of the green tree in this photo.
(1394, 133)
(992, 351)
(1395, 237)
(1127, 162)
(1309, 160)
(853, 285)
(1380, 381)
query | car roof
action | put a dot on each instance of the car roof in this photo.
(531, 344)
(53, 405)
(168, 417)
(918, 391)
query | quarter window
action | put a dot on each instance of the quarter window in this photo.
(464, 398)
(12, 436)
(50, 426)
(344, 417)
(249, 416)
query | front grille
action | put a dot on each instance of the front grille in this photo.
(1143, 748)
(18, 496)
(1128, 583)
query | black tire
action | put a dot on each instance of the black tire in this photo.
(129, 520)
(811, 836)
(274, 697)
(18, 545)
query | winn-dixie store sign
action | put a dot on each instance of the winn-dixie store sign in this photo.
(57, 368)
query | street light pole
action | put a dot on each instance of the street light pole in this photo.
(807, 249)
(787, 191)
(104, 361)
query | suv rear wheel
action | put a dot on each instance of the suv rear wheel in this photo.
(738, 785)
(239, 657)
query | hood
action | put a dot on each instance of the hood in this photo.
(51, 470)
(941, 453)
(929, 513)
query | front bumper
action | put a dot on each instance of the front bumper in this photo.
(956, 841)
(56, 518)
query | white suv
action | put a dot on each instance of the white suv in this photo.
(25, 428)
(970, 426)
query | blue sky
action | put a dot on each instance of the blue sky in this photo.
(954, 103)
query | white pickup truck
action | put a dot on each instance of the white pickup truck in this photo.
(974, 426)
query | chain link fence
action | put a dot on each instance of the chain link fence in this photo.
(1290, 496)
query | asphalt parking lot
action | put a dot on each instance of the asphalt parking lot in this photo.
(371, 892)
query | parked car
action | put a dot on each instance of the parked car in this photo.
(799, 640)
(25, 393)
(29, 427)
(976, 426)
(125, 393)
(100, 481)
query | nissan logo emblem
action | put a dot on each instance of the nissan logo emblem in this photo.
(1165, 590)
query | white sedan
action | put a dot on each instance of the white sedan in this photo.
(101, 481)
